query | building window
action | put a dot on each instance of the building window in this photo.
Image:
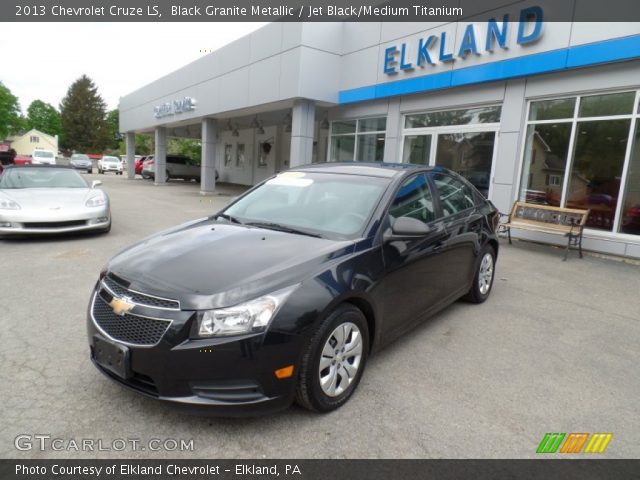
(359, 140)
(34, 139)
(467, 116)
(581, 149)
(461, 140)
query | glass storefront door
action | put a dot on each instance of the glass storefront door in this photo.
(469, 153)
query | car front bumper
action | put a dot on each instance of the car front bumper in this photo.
(232, 376)
(76, 166)
(36, 222)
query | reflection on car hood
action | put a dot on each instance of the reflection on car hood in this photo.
(39, 198)
(209, 265)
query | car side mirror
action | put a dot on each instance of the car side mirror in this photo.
(407, 228)
(96, 183)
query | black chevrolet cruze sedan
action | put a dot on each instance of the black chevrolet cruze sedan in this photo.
(285, 293)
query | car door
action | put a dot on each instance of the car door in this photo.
(463, 225)
(413, 266)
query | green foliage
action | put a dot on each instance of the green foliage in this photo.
(11, 120)
(113, 121)
(44, 117)
(185, 147)
(84, 124)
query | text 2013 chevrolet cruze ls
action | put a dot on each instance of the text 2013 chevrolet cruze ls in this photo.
(285, 293)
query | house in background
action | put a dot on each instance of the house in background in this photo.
(34, 139)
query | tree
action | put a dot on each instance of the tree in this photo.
(113, 122)
(44, 117)
(11, 120)
(83, 114)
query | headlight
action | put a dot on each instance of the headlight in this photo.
(7, 204)
(96, 201)
(252, 316)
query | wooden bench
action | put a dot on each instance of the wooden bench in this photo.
(568, 222)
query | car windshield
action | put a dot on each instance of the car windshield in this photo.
(41, 178)
(79, 156)
(110, 159)
(324, 204)
(40, 153)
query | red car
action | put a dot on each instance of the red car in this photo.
(22, 160)
(138, 165)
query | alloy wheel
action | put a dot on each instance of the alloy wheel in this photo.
(340, 360)
(485, 275)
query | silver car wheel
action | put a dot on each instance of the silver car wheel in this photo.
(485, 275)
(340, 359)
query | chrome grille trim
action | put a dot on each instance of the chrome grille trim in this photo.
(137, 345)
(111, 290)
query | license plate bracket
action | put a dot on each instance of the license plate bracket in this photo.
(112, 356)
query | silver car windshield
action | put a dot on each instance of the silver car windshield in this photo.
(42, 154)
(41, 178)
(329, 205)
(79, 156)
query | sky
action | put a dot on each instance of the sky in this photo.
(41, 60)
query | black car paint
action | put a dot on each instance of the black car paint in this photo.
(210, 263)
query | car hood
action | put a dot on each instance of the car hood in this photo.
(49, 198)
(206, 264)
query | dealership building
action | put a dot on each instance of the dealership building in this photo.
(526, 109)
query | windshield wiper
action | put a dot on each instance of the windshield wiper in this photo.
(282, 228)
(229, 218)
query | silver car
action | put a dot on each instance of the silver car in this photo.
(80, 161)
(50, 199)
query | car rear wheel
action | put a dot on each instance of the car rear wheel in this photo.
(483, 279)
(334, 361)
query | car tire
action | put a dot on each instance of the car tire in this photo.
(314, 391)
(107, 229)
(90, 170)
(484, 276)
(168, 177)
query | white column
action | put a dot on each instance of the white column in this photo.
(160, 157)
(303, 116)
(131, 155)
(209, 148)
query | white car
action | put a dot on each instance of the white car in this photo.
(43, 157)
(110, 164)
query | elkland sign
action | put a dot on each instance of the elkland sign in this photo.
(438, 48)
(180, 105)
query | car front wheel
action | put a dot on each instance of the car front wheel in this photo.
(334, 361)
(483, 278)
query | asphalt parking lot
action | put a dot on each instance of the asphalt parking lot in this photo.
(555, 349)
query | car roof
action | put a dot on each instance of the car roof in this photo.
(368, 169)
(37, 165)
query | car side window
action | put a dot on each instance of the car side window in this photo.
(414, 200)
(455, 195)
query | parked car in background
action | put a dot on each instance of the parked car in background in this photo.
(291, 287)
(39, 199)
(110, 164)
(43, 157)
(177, 167)
(80, 161)
(147, 167)
(139, 162)
(22, 160)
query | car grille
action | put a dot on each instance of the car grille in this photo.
(127, 328)
(72, 223)
(139, 298)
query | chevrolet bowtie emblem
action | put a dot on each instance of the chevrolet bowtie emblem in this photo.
(121, 305)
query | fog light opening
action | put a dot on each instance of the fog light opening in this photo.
(284, 372)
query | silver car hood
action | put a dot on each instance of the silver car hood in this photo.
(50, 198)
